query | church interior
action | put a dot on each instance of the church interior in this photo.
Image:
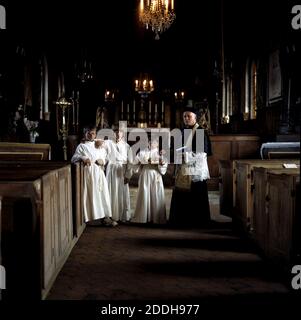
(66, 65)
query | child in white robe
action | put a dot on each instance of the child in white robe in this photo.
(118, 173)
(150, 206)
(96, 198)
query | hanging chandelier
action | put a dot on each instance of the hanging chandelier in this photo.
(157, 14)
(144, 86)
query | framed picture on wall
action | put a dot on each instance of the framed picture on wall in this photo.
(274, 78)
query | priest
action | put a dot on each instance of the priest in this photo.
(190, 203)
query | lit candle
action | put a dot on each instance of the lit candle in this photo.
(150, 107)
(141, 5)
(162, 106)
(77, 107)
(172, 4)
(136, 84)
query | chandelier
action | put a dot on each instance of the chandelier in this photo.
(157, 14)
(144, 86)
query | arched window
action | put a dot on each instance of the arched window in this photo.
(227, 106)
(253, 93)
(250, 105)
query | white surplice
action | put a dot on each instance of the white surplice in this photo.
(150, 205)
(96, 197)
(118, 168)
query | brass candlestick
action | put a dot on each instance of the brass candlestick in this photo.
(63, 122)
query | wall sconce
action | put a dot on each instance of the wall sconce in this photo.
(109, 95)
(179, 95)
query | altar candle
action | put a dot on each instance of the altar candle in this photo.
(77, 107)
(122, 106)
(134, 106)
(150, 107)
(156, 107)
(59, 93)
(162, 106)
(128, 107)
(73, 108)
(63, 85)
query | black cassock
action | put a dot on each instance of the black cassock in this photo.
(191, 208)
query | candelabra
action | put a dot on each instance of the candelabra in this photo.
(144, 87)
(62, 121)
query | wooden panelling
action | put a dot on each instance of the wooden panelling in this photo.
(230, 147)
(276, 217)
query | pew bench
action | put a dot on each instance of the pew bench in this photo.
(37, 225)
(76, 179)
(236, 183)
(15, 151)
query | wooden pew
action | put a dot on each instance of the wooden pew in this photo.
(277, 219)
(243, 179)
(39, 198)
(77, 186)
(1, 264)
(24, 151)
(226, 187)
(230, 147)
(230, 180)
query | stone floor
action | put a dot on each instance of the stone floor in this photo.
(213, 201)
(142, 262)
